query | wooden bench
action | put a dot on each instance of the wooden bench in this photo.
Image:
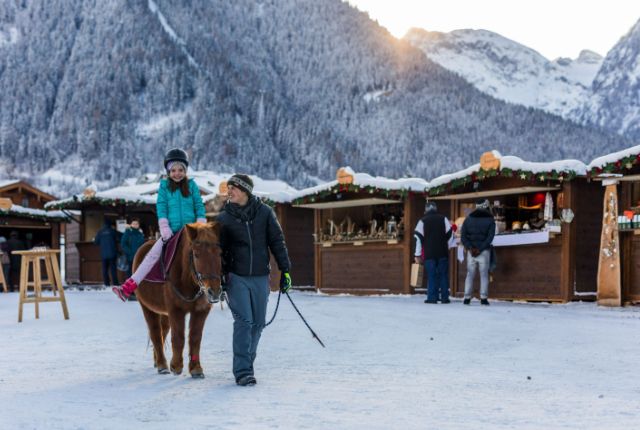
(31, 263)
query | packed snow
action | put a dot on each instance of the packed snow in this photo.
(391, 363)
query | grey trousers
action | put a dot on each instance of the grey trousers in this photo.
(248, 297)
(480, 262)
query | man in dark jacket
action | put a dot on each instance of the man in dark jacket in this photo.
(432, 236)
(132, 239)
(107, 241)
(249, 231)
(477, 235)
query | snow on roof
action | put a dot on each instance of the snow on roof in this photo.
(7, 182)
(515, 163)
(133, 191)
(272, 189)
(34, 213)
(613, 157)
(366, 180)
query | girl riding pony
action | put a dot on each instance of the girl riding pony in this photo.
(179, 203)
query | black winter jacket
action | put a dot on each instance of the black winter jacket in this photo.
(434, 237)
(478, 230)
(248, 233)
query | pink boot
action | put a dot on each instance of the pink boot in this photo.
(123, 292)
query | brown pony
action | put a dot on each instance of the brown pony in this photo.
(196, 267)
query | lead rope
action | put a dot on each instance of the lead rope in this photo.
(239, 317)
(225, 298)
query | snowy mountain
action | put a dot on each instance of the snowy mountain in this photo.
(614, 100)
(510, 71)
(96, 91)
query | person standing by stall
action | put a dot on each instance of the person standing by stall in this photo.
(132, 239)
(432, 235)
(106, 239)
(15, 244)
(249, 231)
(476, 235)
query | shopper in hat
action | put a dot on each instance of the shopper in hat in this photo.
(250, 231)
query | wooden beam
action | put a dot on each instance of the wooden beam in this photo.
(349, 203)
(491, 193)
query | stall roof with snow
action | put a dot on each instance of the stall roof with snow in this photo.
(493, 164)
(143, 191)
(378, 189)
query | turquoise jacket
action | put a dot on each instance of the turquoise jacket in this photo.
(177, 209)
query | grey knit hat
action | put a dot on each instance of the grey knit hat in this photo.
(243, 182)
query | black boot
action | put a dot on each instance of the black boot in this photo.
(466, 302)
(484, 302)
(246, 381)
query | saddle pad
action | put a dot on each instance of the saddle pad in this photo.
(156, 274)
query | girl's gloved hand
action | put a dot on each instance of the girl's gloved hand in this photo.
(165, 230)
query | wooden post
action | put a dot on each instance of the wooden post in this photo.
(609, 291)
(31, 259)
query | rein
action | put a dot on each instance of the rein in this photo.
(239, 317)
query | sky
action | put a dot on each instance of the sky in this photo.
(554, 28)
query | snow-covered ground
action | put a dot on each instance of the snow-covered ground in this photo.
(390, 363)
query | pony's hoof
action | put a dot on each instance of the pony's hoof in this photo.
(197, 375)
(176, 371)
(163, 371)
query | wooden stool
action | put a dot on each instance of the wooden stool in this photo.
(2, 279)
(31, 261)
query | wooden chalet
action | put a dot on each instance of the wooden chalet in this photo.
(362, 231)
(548, 226)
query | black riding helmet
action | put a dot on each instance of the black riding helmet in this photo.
(176, 154)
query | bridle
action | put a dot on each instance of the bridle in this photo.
(197, 276)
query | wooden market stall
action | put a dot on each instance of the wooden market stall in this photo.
(619, 265)
(547, 226)
(362, 232)
(22, 212)
(26, 228)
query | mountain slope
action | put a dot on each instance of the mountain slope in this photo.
(510, 71)
(281, 88)
(614, 99)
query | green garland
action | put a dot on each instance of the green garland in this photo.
(618, 166)
(525, 175)
(350, 188)
(31, 216)
(73, 203)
